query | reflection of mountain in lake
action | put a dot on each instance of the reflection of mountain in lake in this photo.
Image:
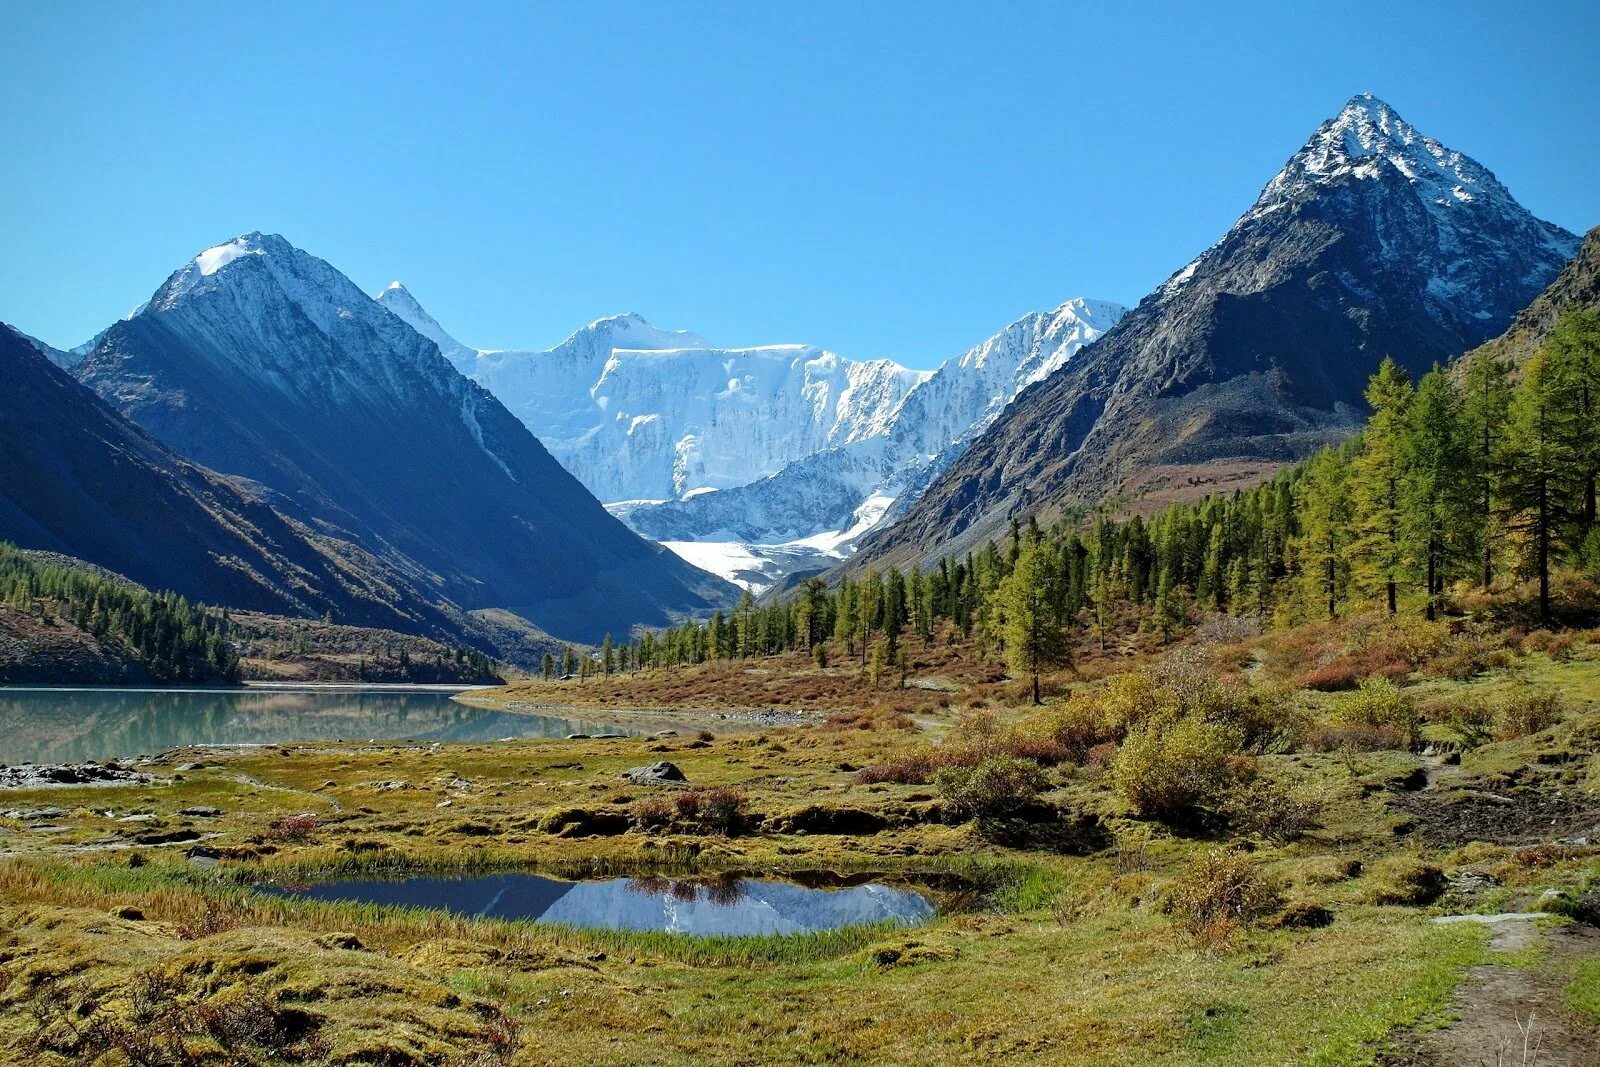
(761, 908)
(725, 906)
(65, 725)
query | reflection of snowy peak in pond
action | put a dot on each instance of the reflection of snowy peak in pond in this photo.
(754, 908)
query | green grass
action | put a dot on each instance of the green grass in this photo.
(1583, 994)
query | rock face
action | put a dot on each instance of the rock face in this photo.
(1576, 288)
(1373, 240)
(266, 363)
(81, 480)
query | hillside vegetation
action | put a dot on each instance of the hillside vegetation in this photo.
(105, 626)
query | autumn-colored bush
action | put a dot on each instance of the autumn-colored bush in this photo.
(1221, 893)
(1078, 728)
(914, 768)
(1379, 704)
(1187, 683)
(1100, 756)
(1470, 718)
(1469, 652)
(1168, 771)
(1349, 737)
(999, 785)
(1332, 678)
(718, 810)
(294, 828)
(652, 813)
(1558, 646)
(1525, 712)
(1269, 810)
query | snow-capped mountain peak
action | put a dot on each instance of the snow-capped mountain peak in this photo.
(398, 299)
(1368, 162)
(1366, 134)
(639, 412)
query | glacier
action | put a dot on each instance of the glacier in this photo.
(756, 463)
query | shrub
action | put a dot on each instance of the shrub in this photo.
(719, 810)
(1078, 728)
(1167, 771)
(1527, 712)
(722, 809)
(1406, 880)
(1470, 719)
(294, 828)
(1332, 678)
(1041, 749)
(1261, 715)
(1221, 893)
(1557, 646)
(1380, 704)
(1000, 785)
(1130, 699)
(1469, 653)
(1269, 810)
(652, 813)
(1100, 756)
(913, 769)
(1343, 737)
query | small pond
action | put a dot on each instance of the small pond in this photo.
(724, 905)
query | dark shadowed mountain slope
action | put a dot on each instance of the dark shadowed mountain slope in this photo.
(263, 362)
(80, 479)
(1373, 240)
(1577, 287)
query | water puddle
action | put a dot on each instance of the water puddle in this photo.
(723, 905)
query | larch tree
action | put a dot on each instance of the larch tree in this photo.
(1485, 409)
(1034, 636)
(1539, 472)
(1376, 476)
(1437, 490)
(1323, 547)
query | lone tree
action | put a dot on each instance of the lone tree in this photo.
(1034, 635)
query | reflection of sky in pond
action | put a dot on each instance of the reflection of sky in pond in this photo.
(718, 906)
(43, 725)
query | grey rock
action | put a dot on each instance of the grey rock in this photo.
(661, 772)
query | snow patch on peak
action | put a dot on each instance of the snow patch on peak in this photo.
(215, 258)
(630, 330)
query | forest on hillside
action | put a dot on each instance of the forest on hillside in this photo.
(1472, 488)
(162, 634)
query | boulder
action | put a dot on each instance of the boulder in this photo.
(661, 772)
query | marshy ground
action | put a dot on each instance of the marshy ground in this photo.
(130, 931)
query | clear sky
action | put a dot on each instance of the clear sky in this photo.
(882, 179)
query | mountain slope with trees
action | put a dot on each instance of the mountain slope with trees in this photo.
(1374, 239)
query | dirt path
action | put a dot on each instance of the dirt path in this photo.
(1513, 1016)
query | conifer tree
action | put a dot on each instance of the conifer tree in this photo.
(1376, 476)
(1034, 637)
(1540, 476)
(1437, 490)
(1323, 548)
(1485, 408)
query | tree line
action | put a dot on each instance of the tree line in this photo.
(1475, 474)
(172, 639)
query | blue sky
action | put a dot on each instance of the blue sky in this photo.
(882, 179)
